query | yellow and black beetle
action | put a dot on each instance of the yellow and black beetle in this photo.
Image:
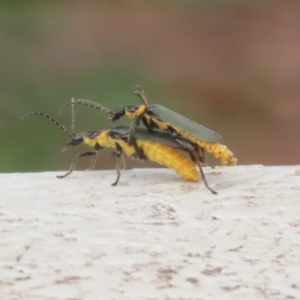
(157, 146)
(157, 117)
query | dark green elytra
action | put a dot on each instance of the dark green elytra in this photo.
(176, 120)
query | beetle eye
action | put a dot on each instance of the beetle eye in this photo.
(76, 140)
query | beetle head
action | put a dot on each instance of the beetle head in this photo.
(121, 111)
(76, 140)
(87, 137)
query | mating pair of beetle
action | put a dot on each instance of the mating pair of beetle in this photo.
(166, 136)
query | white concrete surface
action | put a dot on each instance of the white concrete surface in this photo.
(152, 237)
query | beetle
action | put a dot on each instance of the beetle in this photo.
(158, 117)
(158, 147)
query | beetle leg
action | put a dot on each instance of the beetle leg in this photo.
(139, 154)
(202, 157)
(140, 93)
(186, 144)
(94, 159)
(74, 162)
(116, 154)
(203, 154)
(123, 162)
(192, 147)
(129, 134)
(203, 176)
(149, 125)
(133, 125)
(195, 156)
(138, 151)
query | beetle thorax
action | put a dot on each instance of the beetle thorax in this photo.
(134, 111)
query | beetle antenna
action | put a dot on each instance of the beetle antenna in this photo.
(89, 104)
(63, 128)
(93, 104)
(73, 112)
(140, 93)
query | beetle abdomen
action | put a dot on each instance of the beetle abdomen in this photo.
(171, 158)
(220, 151)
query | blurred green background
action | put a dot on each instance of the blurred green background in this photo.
(232, 66)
